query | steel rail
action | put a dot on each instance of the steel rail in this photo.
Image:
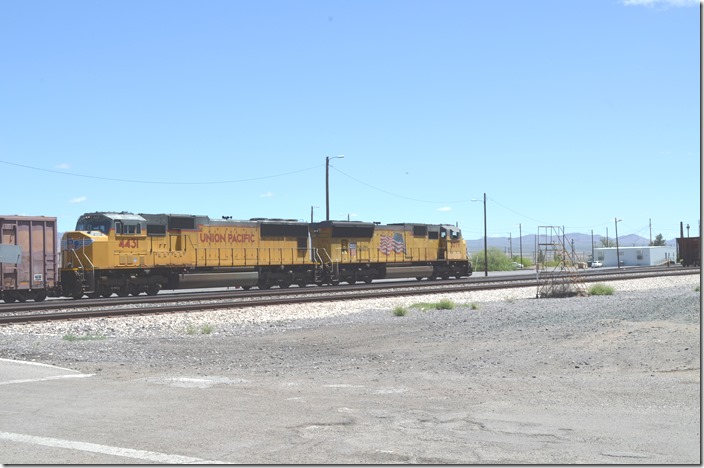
(175, 296)
(322, 295)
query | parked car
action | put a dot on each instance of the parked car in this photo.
(596, 264)
(517, 266)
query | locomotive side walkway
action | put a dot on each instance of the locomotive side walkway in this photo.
(508, 380)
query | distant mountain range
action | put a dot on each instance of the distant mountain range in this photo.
(582, 242)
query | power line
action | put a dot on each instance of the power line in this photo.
(516, 212)
(134, 181)
(397, 195)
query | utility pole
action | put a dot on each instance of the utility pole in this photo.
(618, 259)
(520, 242)
(486, 255)
(650, 225)
(311, 213)
(327, 184)
(510, 246)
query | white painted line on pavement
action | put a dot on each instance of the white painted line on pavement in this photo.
(105, 449)
(32, 363)
(53, 377)
(39, 379)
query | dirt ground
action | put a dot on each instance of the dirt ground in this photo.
(596, 380)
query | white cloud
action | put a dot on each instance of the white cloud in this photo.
(445, 208)
(80, 199)
(651, 3)
(266, 195)
(63, 166)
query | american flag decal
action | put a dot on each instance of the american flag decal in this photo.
(392, 244)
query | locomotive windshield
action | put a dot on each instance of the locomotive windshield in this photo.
(93, 224)
(451, 233)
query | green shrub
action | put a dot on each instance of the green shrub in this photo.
(204, 330)
(445, 304)
(400, 311)
(498, 260)
(600, 289)
(473, 306)
(88, 337)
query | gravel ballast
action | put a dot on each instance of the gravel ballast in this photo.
(502, 377)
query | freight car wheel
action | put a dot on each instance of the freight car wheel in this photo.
(153, 289)
(123, 292)
(40, 296)
(93, 295)
(106, 294)
(419, 278)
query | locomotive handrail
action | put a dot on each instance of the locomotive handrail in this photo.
(321, 261)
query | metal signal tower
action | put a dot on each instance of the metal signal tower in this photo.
(556, 267)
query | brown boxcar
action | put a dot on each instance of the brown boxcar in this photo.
(689, 251)
(28, 266)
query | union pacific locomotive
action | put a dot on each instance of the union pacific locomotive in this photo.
(125, 253)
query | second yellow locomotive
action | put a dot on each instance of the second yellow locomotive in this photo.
(126, 253)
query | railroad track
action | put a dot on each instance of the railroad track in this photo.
(184, 302)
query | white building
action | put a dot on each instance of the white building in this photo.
(636, 256)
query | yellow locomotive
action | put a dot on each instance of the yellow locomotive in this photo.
(126, 253)
(357, 251)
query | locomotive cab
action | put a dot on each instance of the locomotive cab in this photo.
(451, 245)
(102, 242)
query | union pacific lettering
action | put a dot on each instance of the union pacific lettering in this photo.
(229, 238)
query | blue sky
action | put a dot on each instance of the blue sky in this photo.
(564, 113)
